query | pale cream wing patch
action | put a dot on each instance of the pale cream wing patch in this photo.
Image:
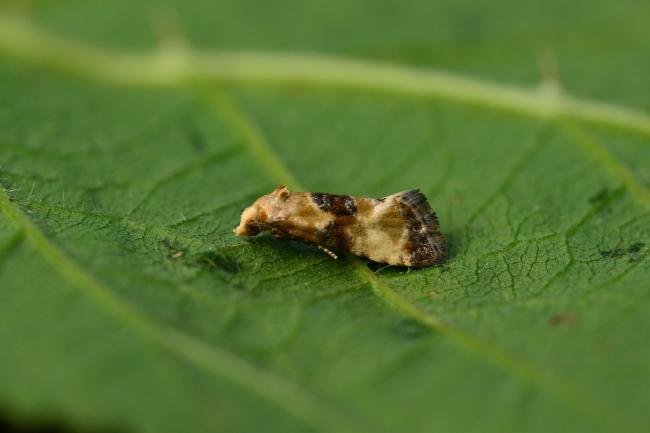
(380, 233)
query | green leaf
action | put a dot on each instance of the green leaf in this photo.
(127, 304)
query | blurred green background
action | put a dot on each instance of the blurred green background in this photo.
(129, 146)
(599, 47)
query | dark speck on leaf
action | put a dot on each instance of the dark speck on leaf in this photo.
(635, 247)
(216, 261)
(412, 329)
(635, 251)
(196, 139)
(562, 319)
(599, 196)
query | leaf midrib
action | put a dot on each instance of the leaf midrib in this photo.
(177, 65)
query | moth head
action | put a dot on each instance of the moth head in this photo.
(264, 210)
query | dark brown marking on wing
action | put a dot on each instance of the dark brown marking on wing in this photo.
(425, 245)
(335, 236)
(338, 205)
(421, 208)
(285, 230)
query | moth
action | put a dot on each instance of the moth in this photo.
(400, 229)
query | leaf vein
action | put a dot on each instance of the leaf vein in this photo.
(179, 66)
(597, 149)
(183, 171)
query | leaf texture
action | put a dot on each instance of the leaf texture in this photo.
(126, 303)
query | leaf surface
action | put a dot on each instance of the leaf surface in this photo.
(127, 304)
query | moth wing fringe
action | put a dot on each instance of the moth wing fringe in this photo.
(421, 208)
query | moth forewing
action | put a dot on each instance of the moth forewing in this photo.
(400, 229)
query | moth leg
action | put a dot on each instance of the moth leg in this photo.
(328, 252)
(382, 268)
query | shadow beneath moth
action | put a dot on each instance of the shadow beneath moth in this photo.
(400, 229)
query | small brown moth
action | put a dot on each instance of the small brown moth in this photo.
(400, 229)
